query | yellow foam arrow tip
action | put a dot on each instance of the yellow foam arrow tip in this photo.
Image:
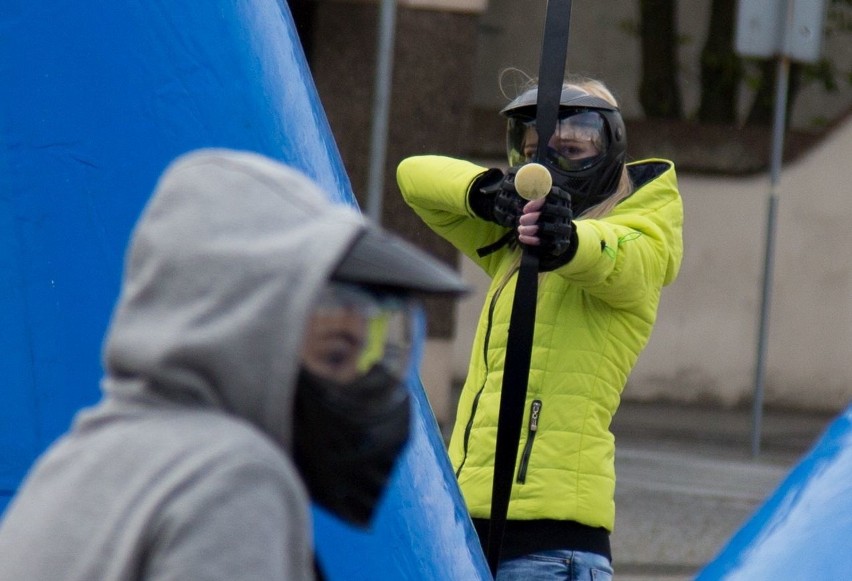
(533, 181)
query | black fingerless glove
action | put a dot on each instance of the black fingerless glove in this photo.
(556, 230)
(493, 197)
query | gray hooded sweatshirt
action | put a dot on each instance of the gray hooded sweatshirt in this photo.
(183, 470)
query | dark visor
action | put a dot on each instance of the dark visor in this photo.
(578, 141)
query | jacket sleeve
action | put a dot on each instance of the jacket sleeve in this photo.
(626, 257)
(437, 188)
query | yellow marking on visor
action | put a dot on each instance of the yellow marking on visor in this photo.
(375, 341)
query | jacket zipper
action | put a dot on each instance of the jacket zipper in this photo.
(469, 425)
(535, 413)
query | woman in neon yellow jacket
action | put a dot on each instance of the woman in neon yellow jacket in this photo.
(609, 238)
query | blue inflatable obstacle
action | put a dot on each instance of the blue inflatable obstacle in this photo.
(96, 99)
(803, 530)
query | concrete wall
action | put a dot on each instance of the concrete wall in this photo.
(705, 342)
(703, 348)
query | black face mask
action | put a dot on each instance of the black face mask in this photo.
(347, 439)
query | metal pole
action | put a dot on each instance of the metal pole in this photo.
(779, 124)
(381, 109)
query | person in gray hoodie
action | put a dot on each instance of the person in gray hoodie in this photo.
(255, 361)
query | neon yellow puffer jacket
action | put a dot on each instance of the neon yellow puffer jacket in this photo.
(594, 316)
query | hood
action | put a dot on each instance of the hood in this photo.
(656, 196)
(219, 278)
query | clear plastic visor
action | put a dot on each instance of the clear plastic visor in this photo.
(578, 141)
(352, 330)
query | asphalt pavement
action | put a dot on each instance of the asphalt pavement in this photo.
(687, 480)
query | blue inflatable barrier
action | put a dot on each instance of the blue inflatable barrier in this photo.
(96, 99)
(803, 530)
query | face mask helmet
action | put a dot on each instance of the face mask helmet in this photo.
(352, 409)
(586, 153)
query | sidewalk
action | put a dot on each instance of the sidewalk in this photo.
(687, 481)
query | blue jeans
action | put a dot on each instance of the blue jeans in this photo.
(556, 566)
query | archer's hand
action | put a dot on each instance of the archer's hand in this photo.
(493, 197)
(548, 223)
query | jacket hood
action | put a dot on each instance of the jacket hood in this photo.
(219, 278)
(657, 195)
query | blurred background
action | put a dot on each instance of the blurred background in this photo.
(404, 77)
(686, 95)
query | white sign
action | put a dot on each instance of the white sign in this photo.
(791, 28)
